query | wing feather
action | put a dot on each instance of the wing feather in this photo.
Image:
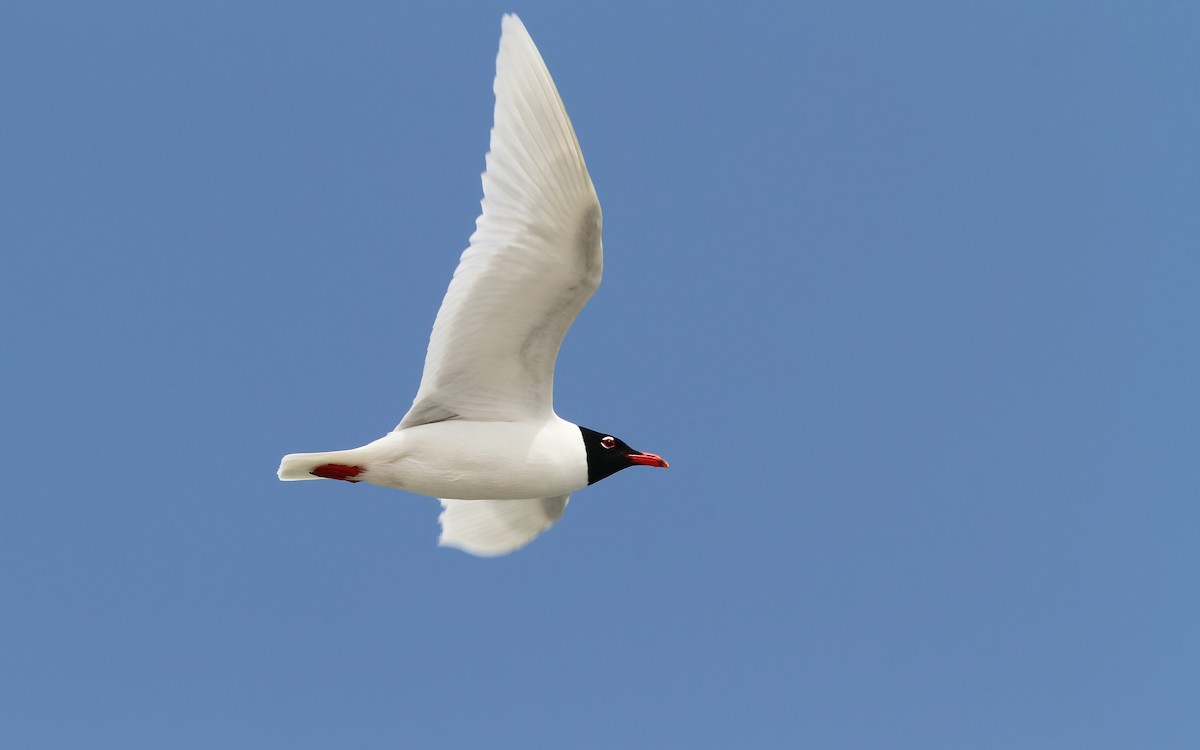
(489, 528)
(534, 259)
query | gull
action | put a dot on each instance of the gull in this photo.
(482, 435)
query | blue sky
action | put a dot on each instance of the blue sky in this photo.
(905, 292)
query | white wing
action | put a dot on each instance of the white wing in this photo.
(535, 257)
(489, 528)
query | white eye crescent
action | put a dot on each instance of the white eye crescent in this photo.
(608, 441)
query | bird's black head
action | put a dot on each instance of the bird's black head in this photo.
(606, 455)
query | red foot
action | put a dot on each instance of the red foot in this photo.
(336, 471)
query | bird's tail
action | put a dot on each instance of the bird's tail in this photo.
(297, 466)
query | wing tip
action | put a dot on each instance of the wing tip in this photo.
(471, 549)
(513, 28)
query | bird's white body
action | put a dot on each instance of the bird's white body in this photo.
(465, 460)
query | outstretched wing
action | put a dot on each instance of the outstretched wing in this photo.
(534, 260)
(489, 528)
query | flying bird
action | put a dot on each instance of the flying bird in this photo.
(482, 435)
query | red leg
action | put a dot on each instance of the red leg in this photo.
(336, 471)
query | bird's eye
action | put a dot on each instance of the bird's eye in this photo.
(608, 441)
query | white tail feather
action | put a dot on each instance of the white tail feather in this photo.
(298, 466)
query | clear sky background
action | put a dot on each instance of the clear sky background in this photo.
(905, 292)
